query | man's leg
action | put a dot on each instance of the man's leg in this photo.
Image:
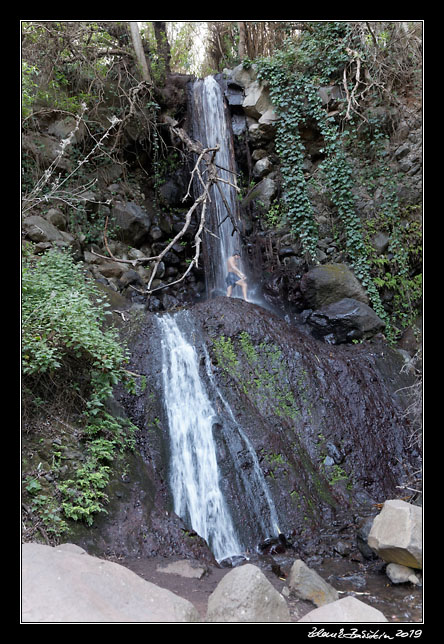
(229, 290)
(243, 285)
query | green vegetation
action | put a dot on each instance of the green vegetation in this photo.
(65, 346)
(259, 371)
(294, 78)
(295, 73)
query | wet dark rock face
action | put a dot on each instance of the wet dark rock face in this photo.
(325, 421)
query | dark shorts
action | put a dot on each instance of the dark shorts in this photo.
(231, 279)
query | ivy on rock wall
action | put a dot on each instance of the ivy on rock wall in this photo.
(297, 76)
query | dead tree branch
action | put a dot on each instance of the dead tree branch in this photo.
(207, 155)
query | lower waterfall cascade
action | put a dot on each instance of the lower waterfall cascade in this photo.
(194, 472)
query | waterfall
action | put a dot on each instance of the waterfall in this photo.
(195, 477)
(212, 127)
(254, 485)
(194, 474)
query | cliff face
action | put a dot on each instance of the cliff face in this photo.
(326, 424)
(325, 420)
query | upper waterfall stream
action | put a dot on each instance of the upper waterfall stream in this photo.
(211, 128)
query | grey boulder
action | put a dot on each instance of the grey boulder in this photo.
(396, 533)
(245, 595)
(328, 283)
(307, 584)
(347, 609)
(64, 584)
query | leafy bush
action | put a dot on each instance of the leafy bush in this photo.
(62, 317)
(66, 349)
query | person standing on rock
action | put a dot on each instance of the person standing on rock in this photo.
(235, 277)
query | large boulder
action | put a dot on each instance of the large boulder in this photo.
(38, 229)
(45, 149)
(245, 595)
(263, 193)
(257, 100)
(64, 584)
(347, 609)
(307, 584)
(244, 76)
(345, 321)
(133, 222)
(396, 533)
(328, 283)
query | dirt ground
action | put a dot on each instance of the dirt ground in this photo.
(401, 603)
(197, 591)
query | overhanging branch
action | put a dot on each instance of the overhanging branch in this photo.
(207, 155)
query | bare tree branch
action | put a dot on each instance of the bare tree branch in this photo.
(211, 177)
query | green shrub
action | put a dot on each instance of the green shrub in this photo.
(62, 318)
(66, 350)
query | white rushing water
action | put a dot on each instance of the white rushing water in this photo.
(211, 128)
(255, 487)
(194, 473)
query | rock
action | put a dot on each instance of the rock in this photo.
(131, 277)
(330, 283)
(263, 192)
(331, 93)
(38, 229)
(234, 94)
(155, 233)
(112, 269)
(257, 100)
(238, 123)
(268, 118)
(342, 548)
(380, 242)
(245, 595)
(133, 222)
(401, 574)
(46, 149)
(258, 154)
(65, 585)
(402, 151)
(262, 167)
(362, 538)
(174, 189)
(56, 218)
(260, 133)
(307, 584)
(396, 533)
(62, 128)
(244, 76)
(347, 609)
(345, 321)
(184, 568)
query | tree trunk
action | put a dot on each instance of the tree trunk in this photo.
(242, 40)
(163, 46)
(140, 54)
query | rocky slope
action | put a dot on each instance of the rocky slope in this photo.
(327, 421)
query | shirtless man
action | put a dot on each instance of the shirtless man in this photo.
(234, 276)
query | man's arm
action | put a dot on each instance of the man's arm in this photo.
(233, 268)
